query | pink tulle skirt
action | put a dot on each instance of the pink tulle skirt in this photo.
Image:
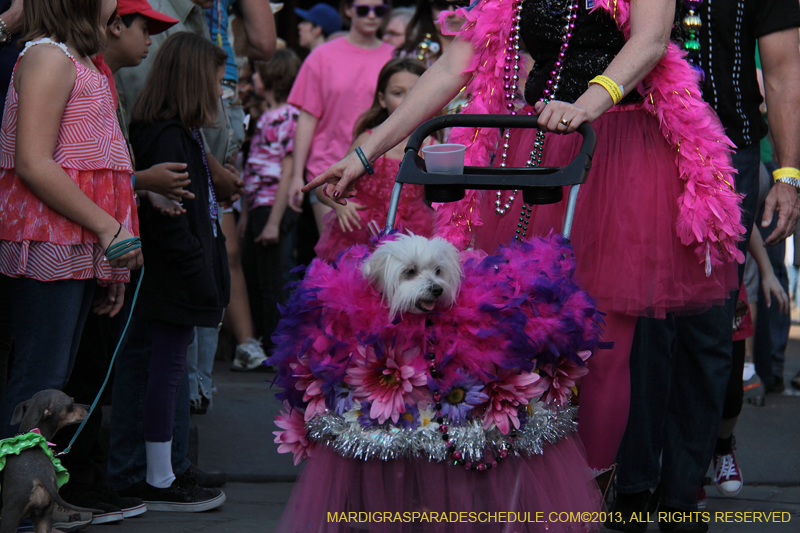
(557, 481)
(628, 253)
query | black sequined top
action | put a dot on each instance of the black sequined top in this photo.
(595, 42)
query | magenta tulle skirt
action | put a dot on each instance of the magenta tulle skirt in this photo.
(374, 192)
(556, 482)
(628, 253)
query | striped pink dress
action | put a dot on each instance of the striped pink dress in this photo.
(36, 241)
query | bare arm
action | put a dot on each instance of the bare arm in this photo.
(44, 80)
(769, 282)
(651, 23)
(435, 88)
(780, 64)
(272, 230)
(259, 26)
(303, 134)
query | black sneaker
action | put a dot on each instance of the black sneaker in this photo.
(91, 497)
(130, 505)
(630, 512)
(208, 480)
(677, 521)
(182, 497)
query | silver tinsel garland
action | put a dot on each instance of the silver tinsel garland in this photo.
(545, 426)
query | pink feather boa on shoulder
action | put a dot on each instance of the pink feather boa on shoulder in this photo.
(709, 212)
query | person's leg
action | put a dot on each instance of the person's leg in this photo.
(237, 315)
(639, 454)
(701, 368)
(48, 320)
(167, 369)
(780, 323)
(6, 330)
(605, 394)
(181, 429)
(126, 456)
(206, 349)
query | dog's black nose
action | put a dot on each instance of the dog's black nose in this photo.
(436, 290)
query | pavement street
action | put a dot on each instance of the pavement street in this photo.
(235, 436)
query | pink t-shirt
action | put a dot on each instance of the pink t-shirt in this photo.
(336, 84)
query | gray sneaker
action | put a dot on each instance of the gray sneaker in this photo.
(65, 519)
(249, 356)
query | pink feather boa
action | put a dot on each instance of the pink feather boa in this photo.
(709, 212)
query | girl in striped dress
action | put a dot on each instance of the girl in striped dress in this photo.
(66, 194)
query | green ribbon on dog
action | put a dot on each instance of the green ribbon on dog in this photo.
(26, 441)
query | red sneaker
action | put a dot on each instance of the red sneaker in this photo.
(727, 475)
(701, 498)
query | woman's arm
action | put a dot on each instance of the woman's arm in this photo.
(259, 26)
(304, 133)
(437, 86)
(44, 81)
(651, 23)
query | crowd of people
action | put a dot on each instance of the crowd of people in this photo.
(178, 150)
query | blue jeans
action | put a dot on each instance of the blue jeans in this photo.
(127, 462)
(200, 362)
(680, 368)
(48, 319)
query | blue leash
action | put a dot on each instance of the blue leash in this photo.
(116, 350)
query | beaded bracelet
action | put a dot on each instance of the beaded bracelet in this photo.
(788, 175)
(609, 85)
(364, 161)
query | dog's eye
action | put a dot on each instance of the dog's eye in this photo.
(438, 271)
(410, 273)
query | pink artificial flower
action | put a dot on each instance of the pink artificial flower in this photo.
(293, 437)
(388, 382)
(511, 390)
(559, 380)
(312, 390)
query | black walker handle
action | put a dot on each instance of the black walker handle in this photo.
(539, 185)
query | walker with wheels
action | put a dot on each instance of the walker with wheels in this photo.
(476, 399)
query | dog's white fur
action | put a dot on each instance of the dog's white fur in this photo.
(415, 274)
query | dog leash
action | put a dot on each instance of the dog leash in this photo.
(128, 248)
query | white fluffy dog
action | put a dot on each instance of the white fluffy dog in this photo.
(414, 273)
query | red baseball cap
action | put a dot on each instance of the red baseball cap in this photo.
(156, 23)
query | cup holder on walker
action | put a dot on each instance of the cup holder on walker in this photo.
(542, 195)
(442, 194)
(538, 185)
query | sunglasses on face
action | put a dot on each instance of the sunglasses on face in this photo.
(364, 11)
(444, 5)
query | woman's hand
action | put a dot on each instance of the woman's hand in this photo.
(342, 176)
(772, 287)
(132, 260)
(110, 299)
(348, 216)
(561, 117)
(164, 205)
(167, 179)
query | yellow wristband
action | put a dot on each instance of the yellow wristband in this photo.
(609, 85)
(786, 172)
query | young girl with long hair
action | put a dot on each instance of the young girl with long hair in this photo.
(349, 224)
(187, 283)
(333, 88)
(66, 194)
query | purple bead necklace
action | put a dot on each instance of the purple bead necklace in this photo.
(212, 196)
(510, 78)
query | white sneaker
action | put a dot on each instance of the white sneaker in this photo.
(727, 475)
(249, 356)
